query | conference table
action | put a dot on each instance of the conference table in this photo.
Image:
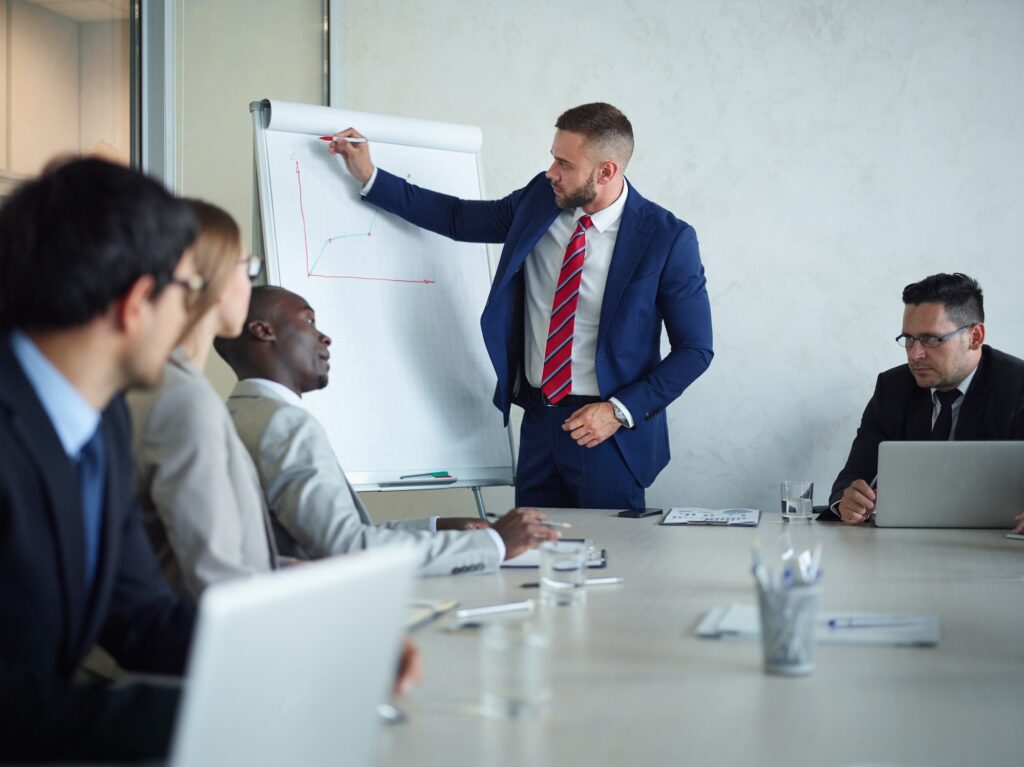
(632, 684)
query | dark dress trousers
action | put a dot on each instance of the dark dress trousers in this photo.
(900, 410)
(48, 621)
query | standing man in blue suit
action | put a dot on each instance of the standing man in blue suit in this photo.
(589, 272)
(93, 292)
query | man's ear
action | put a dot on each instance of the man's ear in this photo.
(129, 309)
(977, 335)
(261, 330)
(606, 171)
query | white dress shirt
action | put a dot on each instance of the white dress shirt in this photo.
(543, 266)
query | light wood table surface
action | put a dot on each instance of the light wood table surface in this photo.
(633, 685)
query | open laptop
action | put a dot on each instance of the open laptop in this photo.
(949, 484)
(289, 667)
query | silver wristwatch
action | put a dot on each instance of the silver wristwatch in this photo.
(619, 415)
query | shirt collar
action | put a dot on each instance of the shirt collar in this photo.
(606, 217)
(280, 390)
(73, 418)
(962, 387)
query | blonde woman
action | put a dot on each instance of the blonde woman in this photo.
(199, 491)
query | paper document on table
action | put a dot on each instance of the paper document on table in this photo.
(531, 558)
(742, 622)
(691, 515)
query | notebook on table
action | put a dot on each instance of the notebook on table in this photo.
(949, 484)
(289, 667)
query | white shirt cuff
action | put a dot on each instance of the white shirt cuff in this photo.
(497, 542)
(625, 411)
(369, 183)
(433, 524)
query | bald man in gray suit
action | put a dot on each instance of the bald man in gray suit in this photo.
(279, 356)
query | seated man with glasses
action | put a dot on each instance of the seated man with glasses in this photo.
(952, 387)
(95, 268)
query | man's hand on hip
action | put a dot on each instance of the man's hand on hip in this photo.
(857, 503)
(356, 156)
(592, 424)
(522, 529)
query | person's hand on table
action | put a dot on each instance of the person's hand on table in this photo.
(410, 668)
(592, 424)
(356, 156)
(522, 529)
(1019, 519)
(857, 503)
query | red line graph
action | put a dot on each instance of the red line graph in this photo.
(330, 240)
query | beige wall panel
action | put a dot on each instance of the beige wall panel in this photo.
(44, 99)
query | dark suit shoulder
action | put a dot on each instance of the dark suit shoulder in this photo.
(1005, 366)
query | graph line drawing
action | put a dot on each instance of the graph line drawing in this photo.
(311, 267)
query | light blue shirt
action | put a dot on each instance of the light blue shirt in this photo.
(74, 419)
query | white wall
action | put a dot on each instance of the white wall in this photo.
(827, 153)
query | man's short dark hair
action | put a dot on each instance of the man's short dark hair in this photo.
(958, 293)
(75, 239)
(603, 125)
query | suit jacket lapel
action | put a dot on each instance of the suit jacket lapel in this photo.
(919, 416)
(968, 420)
(522, 248)
(59, 480)
(630, 244)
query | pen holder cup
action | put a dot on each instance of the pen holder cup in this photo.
(788, 619)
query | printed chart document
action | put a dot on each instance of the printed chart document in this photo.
(691, 515)
(743, 622)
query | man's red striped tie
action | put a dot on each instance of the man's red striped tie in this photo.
(556, 377)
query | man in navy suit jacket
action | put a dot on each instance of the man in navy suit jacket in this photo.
(93, 291)
(607, 440)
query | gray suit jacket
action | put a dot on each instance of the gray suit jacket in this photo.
(200, 496)
(312, 500)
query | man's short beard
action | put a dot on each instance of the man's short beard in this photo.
(584, 195)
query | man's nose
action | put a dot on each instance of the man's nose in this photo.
(325, 339)
(916, 350)
(552, 171)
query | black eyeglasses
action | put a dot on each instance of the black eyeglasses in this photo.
(930, 342)
(193, 286)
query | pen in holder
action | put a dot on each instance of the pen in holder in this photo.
(789, 610)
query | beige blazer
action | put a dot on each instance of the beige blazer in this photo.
(309, 496)
(199, 492)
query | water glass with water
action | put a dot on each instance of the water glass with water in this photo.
(797, 499)
(563, 570)
(514, 669)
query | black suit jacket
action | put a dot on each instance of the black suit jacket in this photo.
(900, 410)
(47, 620)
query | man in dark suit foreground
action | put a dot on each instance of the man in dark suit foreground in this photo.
(952, 387)
(93, 296)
